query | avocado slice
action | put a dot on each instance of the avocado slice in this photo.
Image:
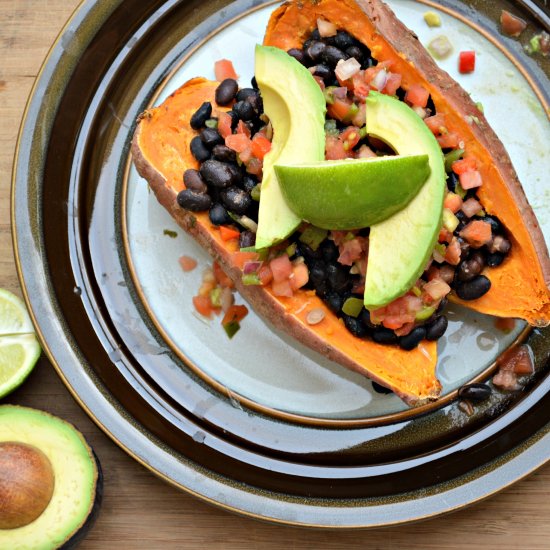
(49, 453)
(296, 107)
(400, 247)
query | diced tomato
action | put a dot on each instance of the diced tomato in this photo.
(254, 166)
(452, 254)
(299, 276)
(187, 263)
(477, 233)
(319, 81)
(334, 148)
(360, 88)
(433, 272)
(437, 289)
(224, 124)
(360, 118)
(350, 251)
(471, 207)
(505, 324)
(240, 258)
(436, 123)
(450, 140)
(511, 24)
(227, 233)
(235, 314)
(260, 146)
(223, 280)
(282, 288)
(203, 305)
(265, 275)
(281, 268)
(365, 152)
(470, 179)
(246, 155)
(447, 273)
(242, 128)
(453, 202)
(392, 84)
(445, 236)
(417, 96)
(466, 62)
(350, 137)
(340, 109)
(405, 329)
(224, 69)
(237, 142)
(464, 165)
(516, 360)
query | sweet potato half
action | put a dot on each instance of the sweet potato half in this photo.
(519, 286)
(161, 154)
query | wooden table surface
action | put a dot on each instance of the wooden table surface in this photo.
(139, 510)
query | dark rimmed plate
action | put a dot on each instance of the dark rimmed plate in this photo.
(110, 60)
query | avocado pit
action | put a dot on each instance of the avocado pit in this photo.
(26, 484)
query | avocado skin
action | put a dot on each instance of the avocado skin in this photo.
(82, 533)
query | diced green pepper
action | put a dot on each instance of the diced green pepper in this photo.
(432, 19)
(425, 313)
(416, 291)
(452, 156)
(313, 236)
(231, 328)
(352, 111)
(251, 279)
(328, 93)
(331, 128)
(460, 191)
(352, 306)
(216, 296)
(450, 221)
(363, 132)
(291, 249)
(256, 192)
(211, 123)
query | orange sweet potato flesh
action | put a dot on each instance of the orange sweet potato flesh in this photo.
(161, 153)
(520, 284)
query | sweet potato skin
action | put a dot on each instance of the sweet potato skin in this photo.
(520, 284)
(160, 150)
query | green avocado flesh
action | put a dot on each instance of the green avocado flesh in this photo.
(399, 247)
(295, 105)
(350, 194)
(77, 480)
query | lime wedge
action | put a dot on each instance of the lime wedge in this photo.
(351, 194)
(19, 348)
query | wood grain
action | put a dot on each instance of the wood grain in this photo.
(141, 511)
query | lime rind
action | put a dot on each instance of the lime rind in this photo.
(14, 318)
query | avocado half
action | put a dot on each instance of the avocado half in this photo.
(62, 472)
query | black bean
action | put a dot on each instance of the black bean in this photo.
(218, 215)
(297, 54)
(344, 40)
(378, 388)
(329, 251)
(309, 253)
(236, 200)
(254, 83)
(382, 335)
(332, 55)
(226, 91)
(495, 259)
(474, 289)
(442, 306)
(436, 329)
(334, 301)
(201, 115)
(234, 119)
(224, 154)
(475, 392)
(243, 93)
(464, 248)
(463, 220)
(220, 174)
(400, 93)
(411, 340)
(199, 149)
(315, 34)
(247, 239)
(249, 183)
(258, 105)
(496, 226)
(452, 180)
(317, 273)
(244, 110)
(337, 277)
(468, 269)
(196, 202)
(211, 137)
(194, 182)
(322, 71)
(315, 51)
(355, 326)
(356, 52)
(365, 318)
(322, 289)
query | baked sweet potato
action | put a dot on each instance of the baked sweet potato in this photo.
(161, 153)
(519, 286)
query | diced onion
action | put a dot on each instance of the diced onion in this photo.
(420, 111)
(326, 28)
(471, 207)
(346, 69)
(251, 267)
(437, 288)
(379, 81)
